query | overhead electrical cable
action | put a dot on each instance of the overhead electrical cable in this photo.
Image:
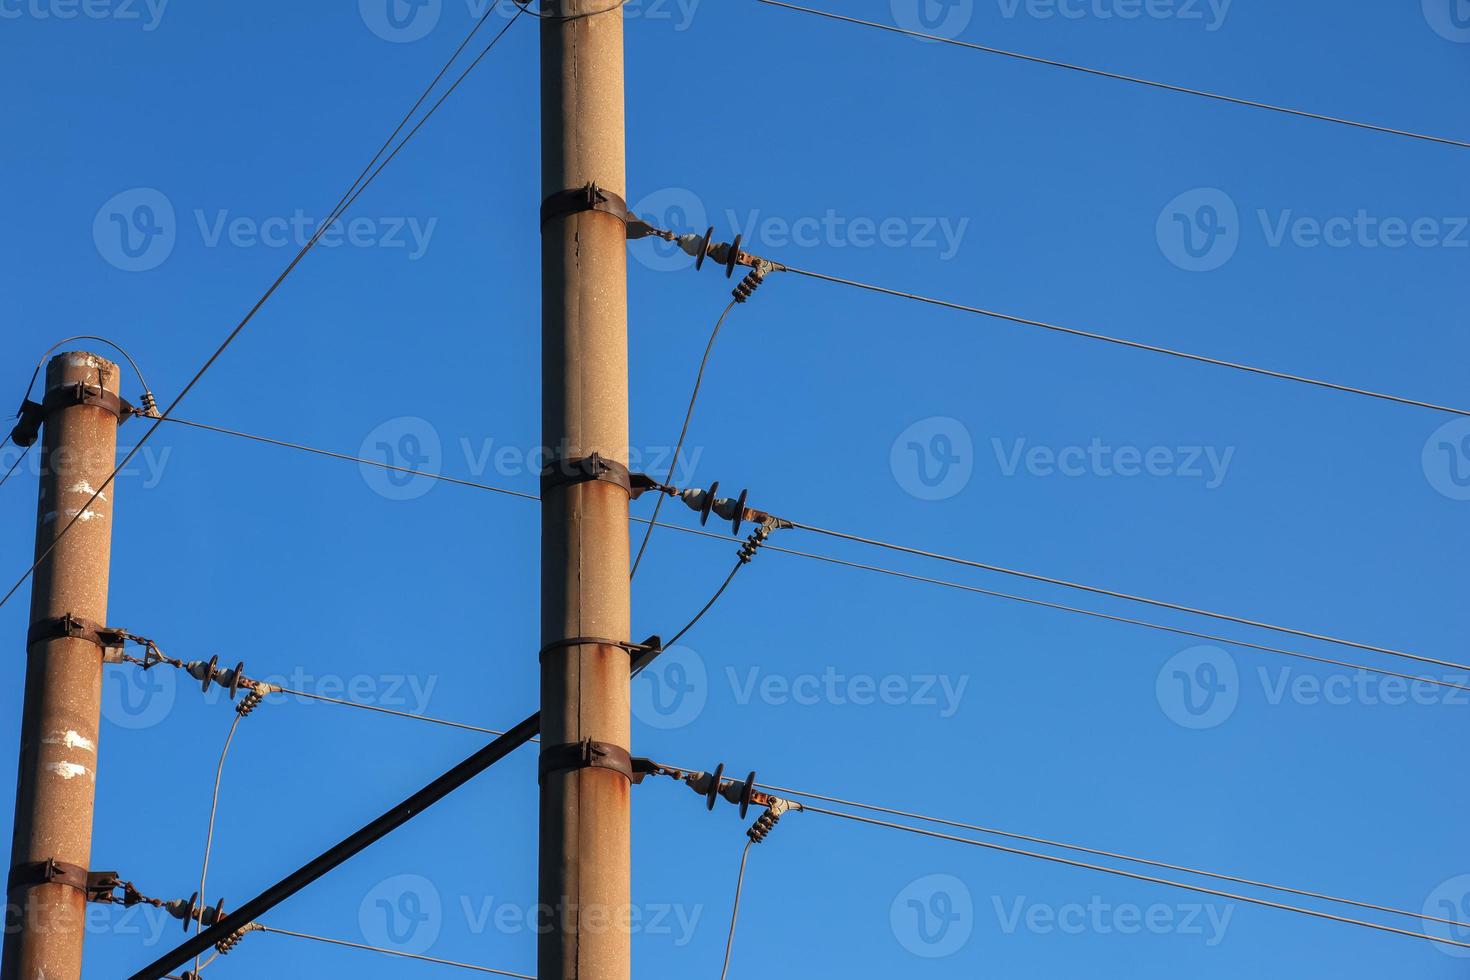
(346, 201)
(1116, 76)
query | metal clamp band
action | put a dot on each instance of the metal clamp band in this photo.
(97, 886)
(586, 754)
(28, 429)
(585, 469)
(75, 628)
(579, 199)
(652, 643)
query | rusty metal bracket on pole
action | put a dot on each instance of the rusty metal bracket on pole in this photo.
(32, 413)
(585, 469)
(653, 644)
(586, 754)
(97, 886)
(74, 627)
(576, 200)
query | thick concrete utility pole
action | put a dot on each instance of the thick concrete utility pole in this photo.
(46, 899)
(585, 815)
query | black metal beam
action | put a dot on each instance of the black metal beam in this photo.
(358, 842)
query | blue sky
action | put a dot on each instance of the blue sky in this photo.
(222, 131)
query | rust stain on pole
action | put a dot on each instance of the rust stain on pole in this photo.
(63, 688)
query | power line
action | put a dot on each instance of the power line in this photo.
(1076, 610)
(1121, 342)
(209, 837)
(16, 465)
(389, 711)
(1034, 59)
(354, 459)
(735, 908)
(1078, 848)
(683, 432)
(1113, 594)
(345, 202)
(394, 952)
(1108, 854)
(1199, 889)
(828, 559)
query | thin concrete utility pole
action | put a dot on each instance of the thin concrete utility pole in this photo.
(585, 887)
(46, 895)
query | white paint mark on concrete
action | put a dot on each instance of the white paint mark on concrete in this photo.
(72, 740)
(82, 486)
(68, 770)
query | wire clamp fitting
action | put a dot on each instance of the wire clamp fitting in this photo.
(225, 945)
(767, 821)
(752, 281)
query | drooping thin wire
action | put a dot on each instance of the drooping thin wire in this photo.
(209, 836)
(16, 465)
(1034, 59)
(786, 791)
(1118, 872)
(828, 559)
(1077, 610)
(394, 952)
(708, 605)
(354, 459)
(1121, 342)
(992, 831)
(683, 432)
(735, 909)
(389, 711)
(1145, 600)
(350, 196)
(86, 336)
